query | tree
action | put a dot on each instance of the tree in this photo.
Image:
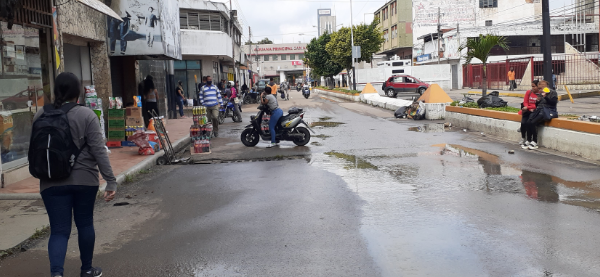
(479, 48)
(265, 41)
(317, 57)
(368, 37)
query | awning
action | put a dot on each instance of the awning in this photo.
(99, 6)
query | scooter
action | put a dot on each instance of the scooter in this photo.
(287, 128)
(229, 108)
(306, 92)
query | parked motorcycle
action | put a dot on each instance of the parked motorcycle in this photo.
(306, 92)
(251, 98)
(227, 110)
(287, 128)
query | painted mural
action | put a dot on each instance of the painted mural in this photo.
(149, 27)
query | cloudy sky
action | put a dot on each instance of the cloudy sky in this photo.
(293, 20)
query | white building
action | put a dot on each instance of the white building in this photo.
(325, 21)
(211, 39)
(278, 61)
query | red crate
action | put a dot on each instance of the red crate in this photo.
(112, 144)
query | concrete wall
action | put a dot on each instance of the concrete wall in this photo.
(210, 43)
(440, 74)
(581, 144)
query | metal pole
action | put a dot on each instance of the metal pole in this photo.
(352, 43)
(547, 42)
(232, 38)
(439, 26)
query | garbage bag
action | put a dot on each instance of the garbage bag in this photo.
(400, 112)
(465, 100)
(491, 101)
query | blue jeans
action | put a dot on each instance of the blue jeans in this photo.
(63, 203)
(275, 116)
(180, 104)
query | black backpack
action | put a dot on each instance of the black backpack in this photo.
(52, 152)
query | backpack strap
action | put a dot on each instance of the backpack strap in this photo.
(66, 108)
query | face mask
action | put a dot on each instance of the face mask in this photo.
(209, 83)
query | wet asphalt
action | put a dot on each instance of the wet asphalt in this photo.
(374, 196)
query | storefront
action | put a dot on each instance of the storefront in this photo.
(25, 83)
(190, 74)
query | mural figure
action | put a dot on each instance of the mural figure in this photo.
(150, 22)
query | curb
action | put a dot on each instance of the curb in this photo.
(145, 164)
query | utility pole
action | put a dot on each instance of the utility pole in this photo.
(547, 43)
(232, 37)
(352, 43)
(439, 28)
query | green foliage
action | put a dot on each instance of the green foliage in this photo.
(346, 91)
(319, 59)
(263, 41)
(505, 109)
(470, 105)
(479, 48)
(368, 37)
(475, 106)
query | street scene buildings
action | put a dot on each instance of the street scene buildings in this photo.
(399, 138)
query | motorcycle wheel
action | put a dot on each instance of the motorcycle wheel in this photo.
(305, 140)
(250, 137)
(306, 96)
(221, 117)
(236, 118)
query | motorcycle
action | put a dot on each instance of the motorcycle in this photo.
(224, 112)
(287, 128)
(298, 87)
(306, 92)
(251, 98)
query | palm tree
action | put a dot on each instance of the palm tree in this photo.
(480, 48)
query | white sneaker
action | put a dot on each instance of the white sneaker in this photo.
(521, 142)
(272, 145)
(525, 145)
(533, 145)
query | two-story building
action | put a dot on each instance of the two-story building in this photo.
(278, 61)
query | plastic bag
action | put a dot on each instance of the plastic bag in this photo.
(140, 139)
(491, 101)
(401, 112)
(146, 151)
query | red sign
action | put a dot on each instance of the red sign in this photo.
(282, 48)
(297, 62)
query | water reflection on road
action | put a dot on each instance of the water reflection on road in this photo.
(464, 212)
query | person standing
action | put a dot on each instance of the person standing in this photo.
(180, 98)
(236, 106)
(150, 22)
(268, 99)
(210, 97)
(527, 108)
(151, 98)
(511, 79)
(74, 197)
(273, 87)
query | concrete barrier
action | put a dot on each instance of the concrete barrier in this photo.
(373, 99)
(567, 136)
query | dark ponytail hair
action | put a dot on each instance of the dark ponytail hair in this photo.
(66, 87)
(148, 84)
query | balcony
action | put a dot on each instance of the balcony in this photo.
(205, 43)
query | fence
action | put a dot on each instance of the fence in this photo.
(570, 69)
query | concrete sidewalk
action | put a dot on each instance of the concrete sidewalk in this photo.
(23, 212)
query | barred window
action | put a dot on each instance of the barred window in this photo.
(488, 3)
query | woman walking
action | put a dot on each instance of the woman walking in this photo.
(74, 197)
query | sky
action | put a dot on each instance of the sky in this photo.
(288, 21)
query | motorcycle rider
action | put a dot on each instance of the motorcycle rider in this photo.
(232, 98)
(270, 101)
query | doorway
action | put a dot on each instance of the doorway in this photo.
(454, 77)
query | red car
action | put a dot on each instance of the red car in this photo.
(19, 100)
(403, 84)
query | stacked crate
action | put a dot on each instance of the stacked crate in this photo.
(116, 127)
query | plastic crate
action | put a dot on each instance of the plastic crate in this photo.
(127, 143)
(111, 144)
(116, 123)
(116, 113)
(116, 135)
(435, 111)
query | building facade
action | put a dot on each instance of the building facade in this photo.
(395, 20)
(211, 38)
(325, 21)
(278, 61)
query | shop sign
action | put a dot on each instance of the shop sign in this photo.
(283, 48)
(424, 58)
(148, 27)
(297, 63)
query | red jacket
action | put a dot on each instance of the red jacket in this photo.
(529, 101)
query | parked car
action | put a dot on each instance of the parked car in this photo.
(261, 84)
(403, 84)
(19, 100)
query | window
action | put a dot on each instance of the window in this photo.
(275, 57)
(202, 21)
(488, 3)
(394, 31)
(292, 57)
(488, 23)
(266, 58)
(398, 71)
(398, 64)
(386, 37)
(283, 57)
(399, 79)
(301, 56)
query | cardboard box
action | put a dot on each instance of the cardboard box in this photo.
(6, 121)
(134, 121)
(134, 112)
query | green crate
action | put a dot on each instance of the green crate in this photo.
(116, 123)
(116, 134)
(116, 113)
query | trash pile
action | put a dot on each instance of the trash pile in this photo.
(592, 118)
(415, 111)
(492, 100)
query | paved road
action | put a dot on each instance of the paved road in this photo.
(375, 196)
